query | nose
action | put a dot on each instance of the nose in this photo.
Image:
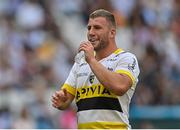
(91, 32)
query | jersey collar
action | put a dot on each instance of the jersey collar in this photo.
(119, 50)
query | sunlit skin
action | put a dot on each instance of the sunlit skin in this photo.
(101, 34)
(98, 33)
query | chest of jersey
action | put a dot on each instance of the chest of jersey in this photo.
(85, 76)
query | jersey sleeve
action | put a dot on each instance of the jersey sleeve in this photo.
(128, 65)
(70, 83)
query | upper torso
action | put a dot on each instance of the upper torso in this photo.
(97, 106)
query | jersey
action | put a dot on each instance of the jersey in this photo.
(98, 107)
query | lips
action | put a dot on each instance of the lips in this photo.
(92, 40)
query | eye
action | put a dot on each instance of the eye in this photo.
(88, 27)
(97, 27)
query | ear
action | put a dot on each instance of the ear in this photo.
(113, 33)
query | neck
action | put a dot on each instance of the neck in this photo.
(105, 52)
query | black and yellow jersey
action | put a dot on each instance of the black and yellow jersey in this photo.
(97, 106)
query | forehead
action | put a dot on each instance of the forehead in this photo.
(98, 21)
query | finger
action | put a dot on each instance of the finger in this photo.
(84, 44)
(55, 106)
(65, 97)
(54, 97)
(81, 45)
(87, 43)
(61, 95)
(54, 103)
(83, 48)
(54, 100)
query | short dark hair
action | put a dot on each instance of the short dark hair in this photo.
(104, 13)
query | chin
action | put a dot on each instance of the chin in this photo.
(95, 47)
(95, 44)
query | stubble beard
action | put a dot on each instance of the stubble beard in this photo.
(101, 45)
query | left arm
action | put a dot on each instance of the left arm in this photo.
(117, 83)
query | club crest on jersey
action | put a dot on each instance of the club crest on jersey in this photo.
(112, 59)
(110, 69)
(91, 79)
(83, 64)
(132, 66)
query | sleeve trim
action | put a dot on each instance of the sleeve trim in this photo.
(128, 74)
(69, 88)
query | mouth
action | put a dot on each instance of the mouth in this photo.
(93, 41)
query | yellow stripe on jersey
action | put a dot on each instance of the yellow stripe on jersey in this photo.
(103, 125)
(96, 90)
(118, 51)
(69, 88)
(128, 74)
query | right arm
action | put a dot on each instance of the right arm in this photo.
(62, 99)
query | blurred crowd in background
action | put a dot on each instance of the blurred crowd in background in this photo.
(39, 39)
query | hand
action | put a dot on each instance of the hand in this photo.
(88, 49)
(59, 98)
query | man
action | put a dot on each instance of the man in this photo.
(104, 83)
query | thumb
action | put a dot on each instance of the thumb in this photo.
(65, 92)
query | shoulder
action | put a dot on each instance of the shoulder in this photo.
(126, 55)
(128, 60)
